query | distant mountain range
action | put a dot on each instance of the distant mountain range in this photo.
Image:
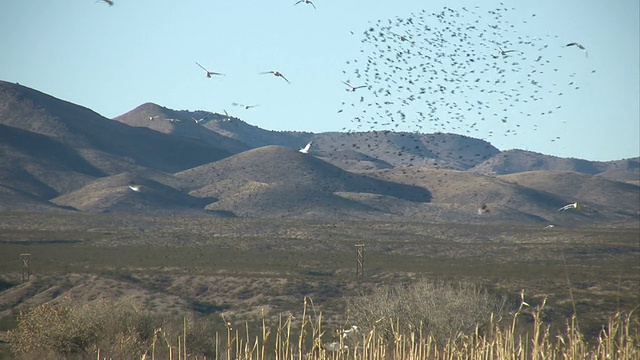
(58, 156)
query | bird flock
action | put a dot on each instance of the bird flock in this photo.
(453, 70)
(466, 70)
(458, 70)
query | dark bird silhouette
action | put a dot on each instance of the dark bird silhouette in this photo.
(244, 106)
(579, 46)
(277, 74)
(305, 2)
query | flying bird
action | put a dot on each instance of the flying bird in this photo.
(198, 121)
(135, 188)
(244, 106)
(579, 46)
(570, 206)
(306, 148)
(208, 73)
(401, 37)
(276, 73)
(305, 2)
(352, 88)
(503, 53)
(108, 2)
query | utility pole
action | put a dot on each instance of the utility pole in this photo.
(359, 260)
(26, 271)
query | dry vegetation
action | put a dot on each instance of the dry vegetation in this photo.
(257, 270)
(116, 331)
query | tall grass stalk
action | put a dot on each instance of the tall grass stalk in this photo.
(304, 339)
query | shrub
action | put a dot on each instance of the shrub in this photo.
(68, 329)
(438, 309)
(116, 330)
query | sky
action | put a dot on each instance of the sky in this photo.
(112, 59)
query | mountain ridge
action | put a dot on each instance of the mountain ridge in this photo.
(58, 156)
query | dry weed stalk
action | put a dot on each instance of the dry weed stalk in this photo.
(619, 339)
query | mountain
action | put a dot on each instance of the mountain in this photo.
(597, 195)
(626, 170)
(83, 129)
(156, 192)
(470, 197)
(58, 156)
(187, 124)
(439, 150)
(517, 161)
(279, 181)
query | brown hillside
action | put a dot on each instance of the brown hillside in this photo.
(515, 161)
(598, 194)
(457, 195)
(181, 123)
(405, 149)
(286, 181)
(626, 170)
(80, 127)
(112, 194)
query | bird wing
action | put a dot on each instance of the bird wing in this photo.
(203, 68)
(285, 79)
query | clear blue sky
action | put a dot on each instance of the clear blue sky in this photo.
(112, 59)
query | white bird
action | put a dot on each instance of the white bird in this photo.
(335, 347)
(550, 226)
(483, 209)
(503, 53)
(135, 188)
(306, 148)
(108, 2)
(346, 333)
(352, 88)
(207, 72)
(197, 121)
(570, 206)
(153, 117)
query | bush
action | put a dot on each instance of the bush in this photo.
(71, 330)
(74, 330)
(438, 309)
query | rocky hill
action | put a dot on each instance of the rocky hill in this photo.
(58, 156)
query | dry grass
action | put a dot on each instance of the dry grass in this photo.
(115, 331)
